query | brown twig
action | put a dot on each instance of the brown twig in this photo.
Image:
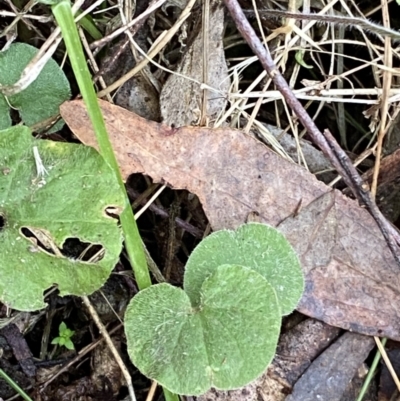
(390, 234)
(326, 143)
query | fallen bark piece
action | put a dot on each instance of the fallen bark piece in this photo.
(298, 347)
(352, 279)
(329, 375)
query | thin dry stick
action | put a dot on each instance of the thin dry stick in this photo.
(387, 80)
(339, 71)
(387, 361)
(362, 23)
(107, 338)
(99, 44)
(326, 143)
(117, 50)
(389, 232)
(356, 162)
(150, 394)
(266, 61)
(150, 202)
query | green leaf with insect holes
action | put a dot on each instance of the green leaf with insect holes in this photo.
(42, 98)
(53, 202)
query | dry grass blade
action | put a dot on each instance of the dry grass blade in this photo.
(386, 84)
(103, 41)
(107, 338)
(362, 23)
(153, 51)
(387, 362)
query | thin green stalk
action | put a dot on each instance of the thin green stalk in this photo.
(170, 396)
(371, 372)
(63, 15)
(14, 385)
(90, 27)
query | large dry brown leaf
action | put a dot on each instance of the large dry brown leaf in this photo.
(352, 280)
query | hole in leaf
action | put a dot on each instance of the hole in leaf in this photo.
(113, 212)
(73, 248)
(15, 117)
(2, 222)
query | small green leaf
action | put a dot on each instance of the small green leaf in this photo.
(257, 246)
(67, 200)
(299, 57)
(42, 98)
(62, 328)
(68, 333)
(225, 341)
(69, 344)
(56, 341)
(62, 341)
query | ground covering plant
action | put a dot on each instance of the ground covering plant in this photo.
(64, 337)
(222, 329)
(195, 312)
(238, 284)
(40, 213)
(344, 136)
(225, 339)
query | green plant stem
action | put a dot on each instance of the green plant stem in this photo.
(371, 373)
(14, 385)
(133, 242)
(89, 26)
(170, 396)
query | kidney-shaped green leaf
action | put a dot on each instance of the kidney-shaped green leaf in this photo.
(51, 192)
(257, 246)
(225, 341)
